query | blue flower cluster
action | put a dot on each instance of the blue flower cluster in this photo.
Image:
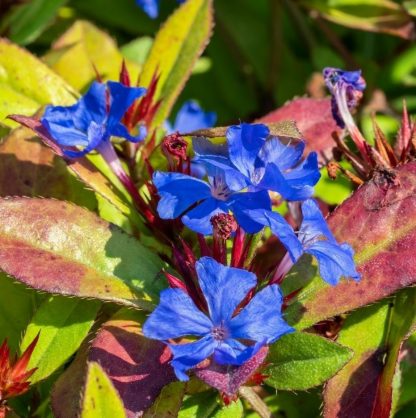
(240, 175)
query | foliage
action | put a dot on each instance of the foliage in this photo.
(152, 269)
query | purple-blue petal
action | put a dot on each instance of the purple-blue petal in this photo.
(313, 225)
(261, 320)
(223, 287)
(178, 192)
(199, 218)
(122, 97)
(176, 316)
(281, 229)
(232, 352)
(186, 356)
(334, 261)
(150, 7)
(283, 156)
(245, 201)
(244, 143)
(192, 117)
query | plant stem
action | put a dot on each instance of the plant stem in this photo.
(255, 401)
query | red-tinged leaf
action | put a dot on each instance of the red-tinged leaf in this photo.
(83, 168)
(60, 248)
(228, 379)
(379, 221)
(313, 118)
(363, 388)
(137, 366)
(37, 171)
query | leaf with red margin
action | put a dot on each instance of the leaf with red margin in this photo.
(61, 248)
(379, 221)
(138, 367)
(363, 388)
(313, 118)
(37, 171)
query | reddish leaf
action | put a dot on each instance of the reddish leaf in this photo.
(313, 118)
(228, 379)
(37, 171)
(137, 366)
(363, 388)
(379, 221)
(61, 248)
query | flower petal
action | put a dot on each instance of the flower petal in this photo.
(223, 287)
(178, 192)
(313, 223)
(232, 352)
(176, 316)
(243, 202)
(281, 229)
(244, 143)
(191, 117)
(150, 7)
(261, 320)
(122, 97)
(335, 261)
(199, 218)
(186, 356)
(283, 156)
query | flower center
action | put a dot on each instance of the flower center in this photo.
(219, 189)
(219, 333)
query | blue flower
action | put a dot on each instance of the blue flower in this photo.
(346, 89)
(91, 121)
(314, 237)
(190, 118)
(179, 192)
(151, 7)
(230, 339)
(255, 159)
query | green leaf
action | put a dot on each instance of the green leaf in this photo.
(233, 410)
(63, 323)
(29, 20)
(83, 47)
(200, 405)
(379, 223)
(101, 399)
(26, 83)
(168, 403)
(16, 310)
(371, 15)
(175, 50)
(300, 361)
(364, 387)
(70, 251)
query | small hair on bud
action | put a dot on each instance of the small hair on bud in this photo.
(224, 225)
(174, 145)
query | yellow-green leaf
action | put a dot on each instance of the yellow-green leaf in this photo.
(83, 47)
(101, 399)
(175, 50)
(26, 83)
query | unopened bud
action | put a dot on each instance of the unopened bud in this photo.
(223, 225)
(175, 146)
